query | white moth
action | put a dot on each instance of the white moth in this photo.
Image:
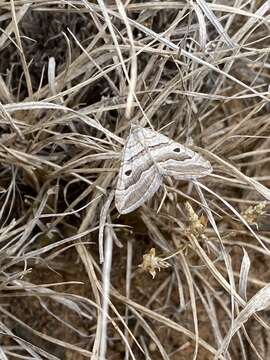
(147, 157)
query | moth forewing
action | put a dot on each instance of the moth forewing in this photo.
(138, 178)
(174, 159)
(186, 164)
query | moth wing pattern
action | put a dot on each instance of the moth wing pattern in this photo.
(138, 178)
(174, 159)
(147, 157)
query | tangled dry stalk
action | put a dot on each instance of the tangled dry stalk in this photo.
(73, 75)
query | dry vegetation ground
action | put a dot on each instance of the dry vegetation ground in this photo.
(73, 75)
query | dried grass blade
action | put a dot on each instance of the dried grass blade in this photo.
(51, 75)
(265, 192)
(259, 14)
(202, 26)
(189, 55)
(243, 278)
(260, 301)
(235, 212)
(10, 28)
(21, 52)
(215, 22)
(225, 255)
(151, 334)
(128, 287)
(189, 278)
(163, 320)
(47, 105)
(133, 57)
(45, 337)
(106, 274)
(102, 223)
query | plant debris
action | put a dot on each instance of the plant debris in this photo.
(74, 76)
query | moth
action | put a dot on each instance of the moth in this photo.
(147, 158)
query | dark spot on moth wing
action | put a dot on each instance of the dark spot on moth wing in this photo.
(128, 172)
(177, 149)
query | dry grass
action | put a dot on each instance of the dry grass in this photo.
(73, 76)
